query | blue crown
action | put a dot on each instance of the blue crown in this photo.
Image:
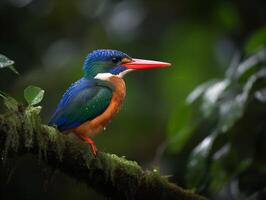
(103, 55)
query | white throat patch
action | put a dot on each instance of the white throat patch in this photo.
(103, 76)
(106, 76)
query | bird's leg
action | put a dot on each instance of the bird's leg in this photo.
(91, 143)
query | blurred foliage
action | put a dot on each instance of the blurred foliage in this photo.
(233, 144)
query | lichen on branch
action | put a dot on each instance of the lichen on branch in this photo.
(21, 132)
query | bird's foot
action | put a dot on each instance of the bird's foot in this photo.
(91, 143)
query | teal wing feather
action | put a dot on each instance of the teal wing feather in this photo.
(83, 101)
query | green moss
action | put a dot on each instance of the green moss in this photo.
(55, 137)
(23, 127)
(28, 120)
(12, 121)
(153, 177)
(43, 134)
(129, 181)
(12, 139)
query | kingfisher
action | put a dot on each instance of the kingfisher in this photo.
(88, 105)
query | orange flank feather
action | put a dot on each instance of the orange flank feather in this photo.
(95, 126)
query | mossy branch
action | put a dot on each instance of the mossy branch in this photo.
(21, 132)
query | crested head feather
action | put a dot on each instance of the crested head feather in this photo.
(101, 61)
(104, 55)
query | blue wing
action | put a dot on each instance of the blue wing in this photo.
(83, 101)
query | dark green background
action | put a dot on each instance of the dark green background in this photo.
(50, 39)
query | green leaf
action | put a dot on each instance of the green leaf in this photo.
(179, 133)
(234, 104)
(199, 91)
(261, 95)
(212, 95)
(33, 95)
(226, 165)
(257, 40)
(6, 62)
(198, 161)
(219, 176)
(251, 62)
(180, 139)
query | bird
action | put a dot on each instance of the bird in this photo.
(88, 105)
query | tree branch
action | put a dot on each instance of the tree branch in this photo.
(21, 132)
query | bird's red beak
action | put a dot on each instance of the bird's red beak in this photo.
(144, 64)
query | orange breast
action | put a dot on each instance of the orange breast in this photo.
(93, 127)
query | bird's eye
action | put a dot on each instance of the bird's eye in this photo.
(116, 59)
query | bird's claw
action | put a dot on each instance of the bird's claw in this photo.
(91, 143)
(93, 148)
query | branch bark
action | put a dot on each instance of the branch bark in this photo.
(21, 132)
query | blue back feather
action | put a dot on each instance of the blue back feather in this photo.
(73, 90)
(83, 100)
